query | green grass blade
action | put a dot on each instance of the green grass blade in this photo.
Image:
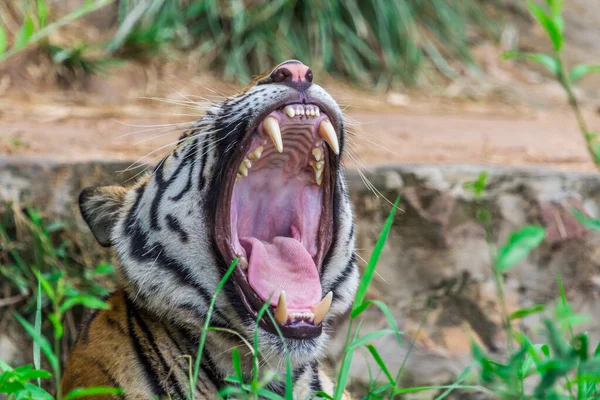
(365, 281)
(518, 246)
(93, 391)
(38, 329)
(3, 40)
(42, 341)
(24, 34)
(370, 337)
(206, 323)
(381, 363)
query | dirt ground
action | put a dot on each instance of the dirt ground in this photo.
(110, 116)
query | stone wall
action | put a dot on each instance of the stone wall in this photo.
(435, 271)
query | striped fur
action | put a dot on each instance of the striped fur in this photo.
(162, 232)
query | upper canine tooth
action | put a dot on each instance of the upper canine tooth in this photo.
(317, 153)
(320, 310)
(327, 133)
(289, 110)
(271, 126)
(281, 312)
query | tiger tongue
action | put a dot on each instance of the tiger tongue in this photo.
(282, 264)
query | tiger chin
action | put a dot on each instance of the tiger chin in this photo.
(258, 179)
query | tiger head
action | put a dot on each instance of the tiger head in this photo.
(258, 179)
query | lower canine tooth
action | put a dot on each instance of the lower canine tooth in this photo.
(327, 133)
(271, 127)
(243, 262)
(289, 110)
(320, 310)
(281, 312)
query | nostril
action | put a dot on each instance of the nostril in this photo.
(282, 75)
(309, 75)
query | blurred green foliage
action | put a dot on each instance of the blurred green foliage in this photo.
(373, 42)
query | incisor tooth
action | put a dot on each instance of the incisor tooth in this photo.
(320, 310)
(289, 110)
(281, 312)
(317, 153)
(327, 133)
(247, 163)
(271, 126)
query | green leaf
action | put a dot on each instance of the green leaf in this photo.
(38, 326)
(41, 340)
(369, 337)
(237, 364)
(592, 224)
(386, 311)
(93, 391)
(365, 281)
(546, 60)
(86, 301)
(555, 7)
(24, 33)
(3, 40)
(32, 392)
(381, 364)
(519, 245)
(553, 29)
(477, 187)
(104, 269)
(581, 70)
(523, 312)
(42, 13)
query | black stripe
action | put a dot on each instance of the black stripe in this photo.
(201, 178)
(112, 381)
(211, 371)
(174, 226)
(143, 359)
(162, 185)
(85, 326)
(115, 325)
(315, 382)
(166, 367)
(187, 186)
(343, 276)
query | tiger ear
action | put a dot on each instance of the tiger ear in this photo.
(100, 206)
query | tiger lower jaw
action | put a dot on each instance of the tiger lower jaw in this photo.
(276, 217)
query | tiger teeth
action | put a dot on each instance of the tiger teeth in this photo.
(243, 169)
(317, 154)
(242, 261)
(300, 110)
(289, 110)
(327, 133)
(306, 315)
(271, 127)
(281, 312)
(255, 155)
(322, 308)
(317, 166)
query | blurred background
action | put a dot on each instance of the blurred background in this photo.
(439, 93)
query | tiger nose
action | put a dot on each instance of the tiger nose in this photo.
(294, 74)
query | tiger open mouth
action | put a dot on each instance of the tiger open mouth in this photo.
(275, 215)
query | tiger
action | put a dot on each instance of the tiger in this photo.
(257, 180)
